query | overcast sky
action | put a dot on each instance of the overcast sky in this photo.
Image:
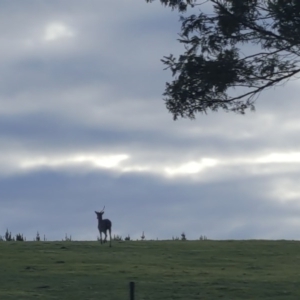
(83, 125)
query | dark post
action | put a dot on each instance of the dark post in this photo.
(131, 290)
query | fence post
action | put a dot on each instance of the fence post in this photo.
(131, 290)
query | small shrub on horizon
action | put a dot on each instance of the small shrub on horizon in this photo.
(8, 237)
(203, 238)
(67, 238)
(37, 238)
(127, 238)
(117, 238)
(20, 238)
(183, 237)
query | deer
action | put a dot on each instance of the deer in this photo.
(103, 226)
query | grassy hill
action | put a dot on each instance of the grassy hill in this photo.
(160, 269)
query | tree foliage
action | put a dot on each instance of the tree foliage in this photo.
(233, 51)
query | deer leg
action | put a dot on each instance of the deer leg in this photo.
(100, 237)
(109, 237)
(105, 236)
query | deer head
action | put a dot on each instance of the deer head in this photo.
(100, 213)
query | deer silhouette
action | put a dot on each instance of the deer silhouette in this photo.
(103, 226)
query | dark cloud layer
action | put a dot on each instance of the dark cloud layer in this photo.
(55, 204)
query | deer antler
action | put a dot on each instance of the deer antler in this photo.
(103, 209)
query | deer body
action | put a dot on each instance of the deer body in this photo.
(104, 225)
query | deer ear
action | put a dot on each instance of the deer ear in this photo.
(95, 212)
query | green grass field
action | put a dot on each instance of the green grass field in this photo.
(160, 270)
